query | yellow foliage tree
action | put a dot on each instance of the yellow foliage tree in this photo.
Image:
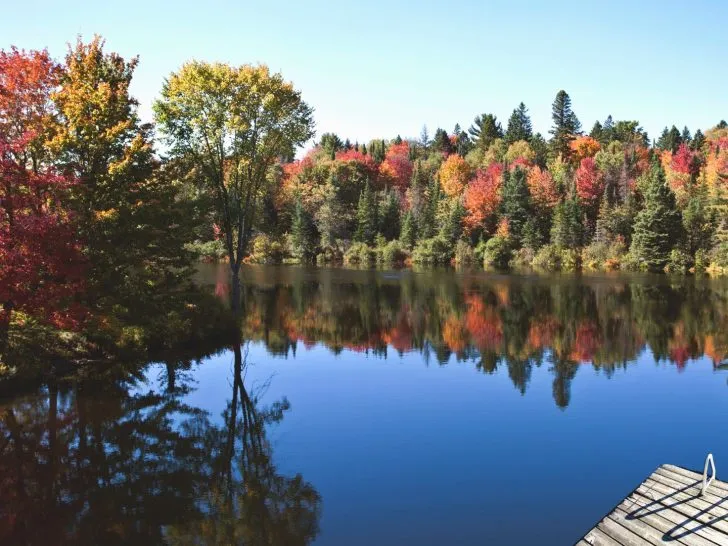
(454, 174)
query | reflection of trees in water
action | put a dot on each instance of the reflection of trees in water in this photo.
(109, 464)
(513, 322)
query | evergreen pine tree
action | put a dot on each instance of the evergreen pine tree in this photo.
(567, 229)
(603, 232)
(366, 217)
(389, 217)
(515, 202)
(698, 221)
(484, 130)
(566, 124)
(303, 233)
(658, 225)
(426, 222)
(685, 136)
(519, 125)
(608, 131)
(597, 132)
(441, 142)
(698, 140)
(452, 229)
(540, 150)
(364, 149)
(408, 234)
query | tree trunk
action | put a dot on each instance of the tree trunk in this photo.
(235, 288)
(5, 328)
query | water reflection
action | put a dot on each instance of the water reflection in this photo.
(493, 321)
(125, 462)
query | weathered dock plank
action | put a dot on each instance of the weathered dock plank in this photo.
(666, 508)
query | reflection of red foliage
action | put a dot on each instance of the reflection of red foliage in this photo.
(542, 332)
(483, 323)
(586, 343)
(679, 355)
(400, 337)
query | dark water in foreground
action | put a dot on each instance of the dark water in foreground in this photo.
(382, 408)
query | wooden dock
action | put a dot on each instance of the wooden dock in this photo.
(667, 508)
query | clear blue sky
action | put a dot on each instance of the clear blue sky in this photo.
(377, 69)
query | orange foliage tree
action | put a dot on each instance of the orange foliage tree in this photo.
(482, 197)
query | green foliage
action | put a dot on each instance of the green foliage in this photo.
(452, 228)
(485, 129)
(367, 221)
(433, 251)
(548, 258)
(408, 233)
(515, 203)
(265, 250)
(519, 125)
(464, 254)
(497, 253)
(303, 234)
(699, 223)
(392, 254)
(360, 254)
(565, 123)
(657, 226)
(568, 229)
(389, 216)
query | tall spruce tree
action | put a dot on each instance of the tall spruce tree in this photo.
(389, 217)
(567, 230)
(452, 229)
(566, 124)
(366, 217)
(515, 202)
(519, 125)
(408, 233)
(658, 225)
(426, 223)
(303, 233)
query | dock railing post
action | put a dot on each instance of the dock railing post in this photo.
(706, 481)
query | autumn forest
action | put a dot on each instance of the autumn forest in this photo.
(101, 213)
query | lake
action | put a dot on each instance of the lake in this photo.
(381, 407)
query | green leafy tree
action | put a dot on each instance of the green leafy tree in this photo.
(128, 210)
(519, 125)
(232, 123)
(565, 123)
(658, 225)
(698, 140)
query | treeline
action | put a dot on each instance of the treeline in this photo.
(99, 232)
(508, 197)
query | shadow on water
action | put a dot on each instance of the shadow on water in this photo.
(127, 462)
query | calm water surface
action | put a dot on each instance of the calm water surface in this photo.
(372, 407)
